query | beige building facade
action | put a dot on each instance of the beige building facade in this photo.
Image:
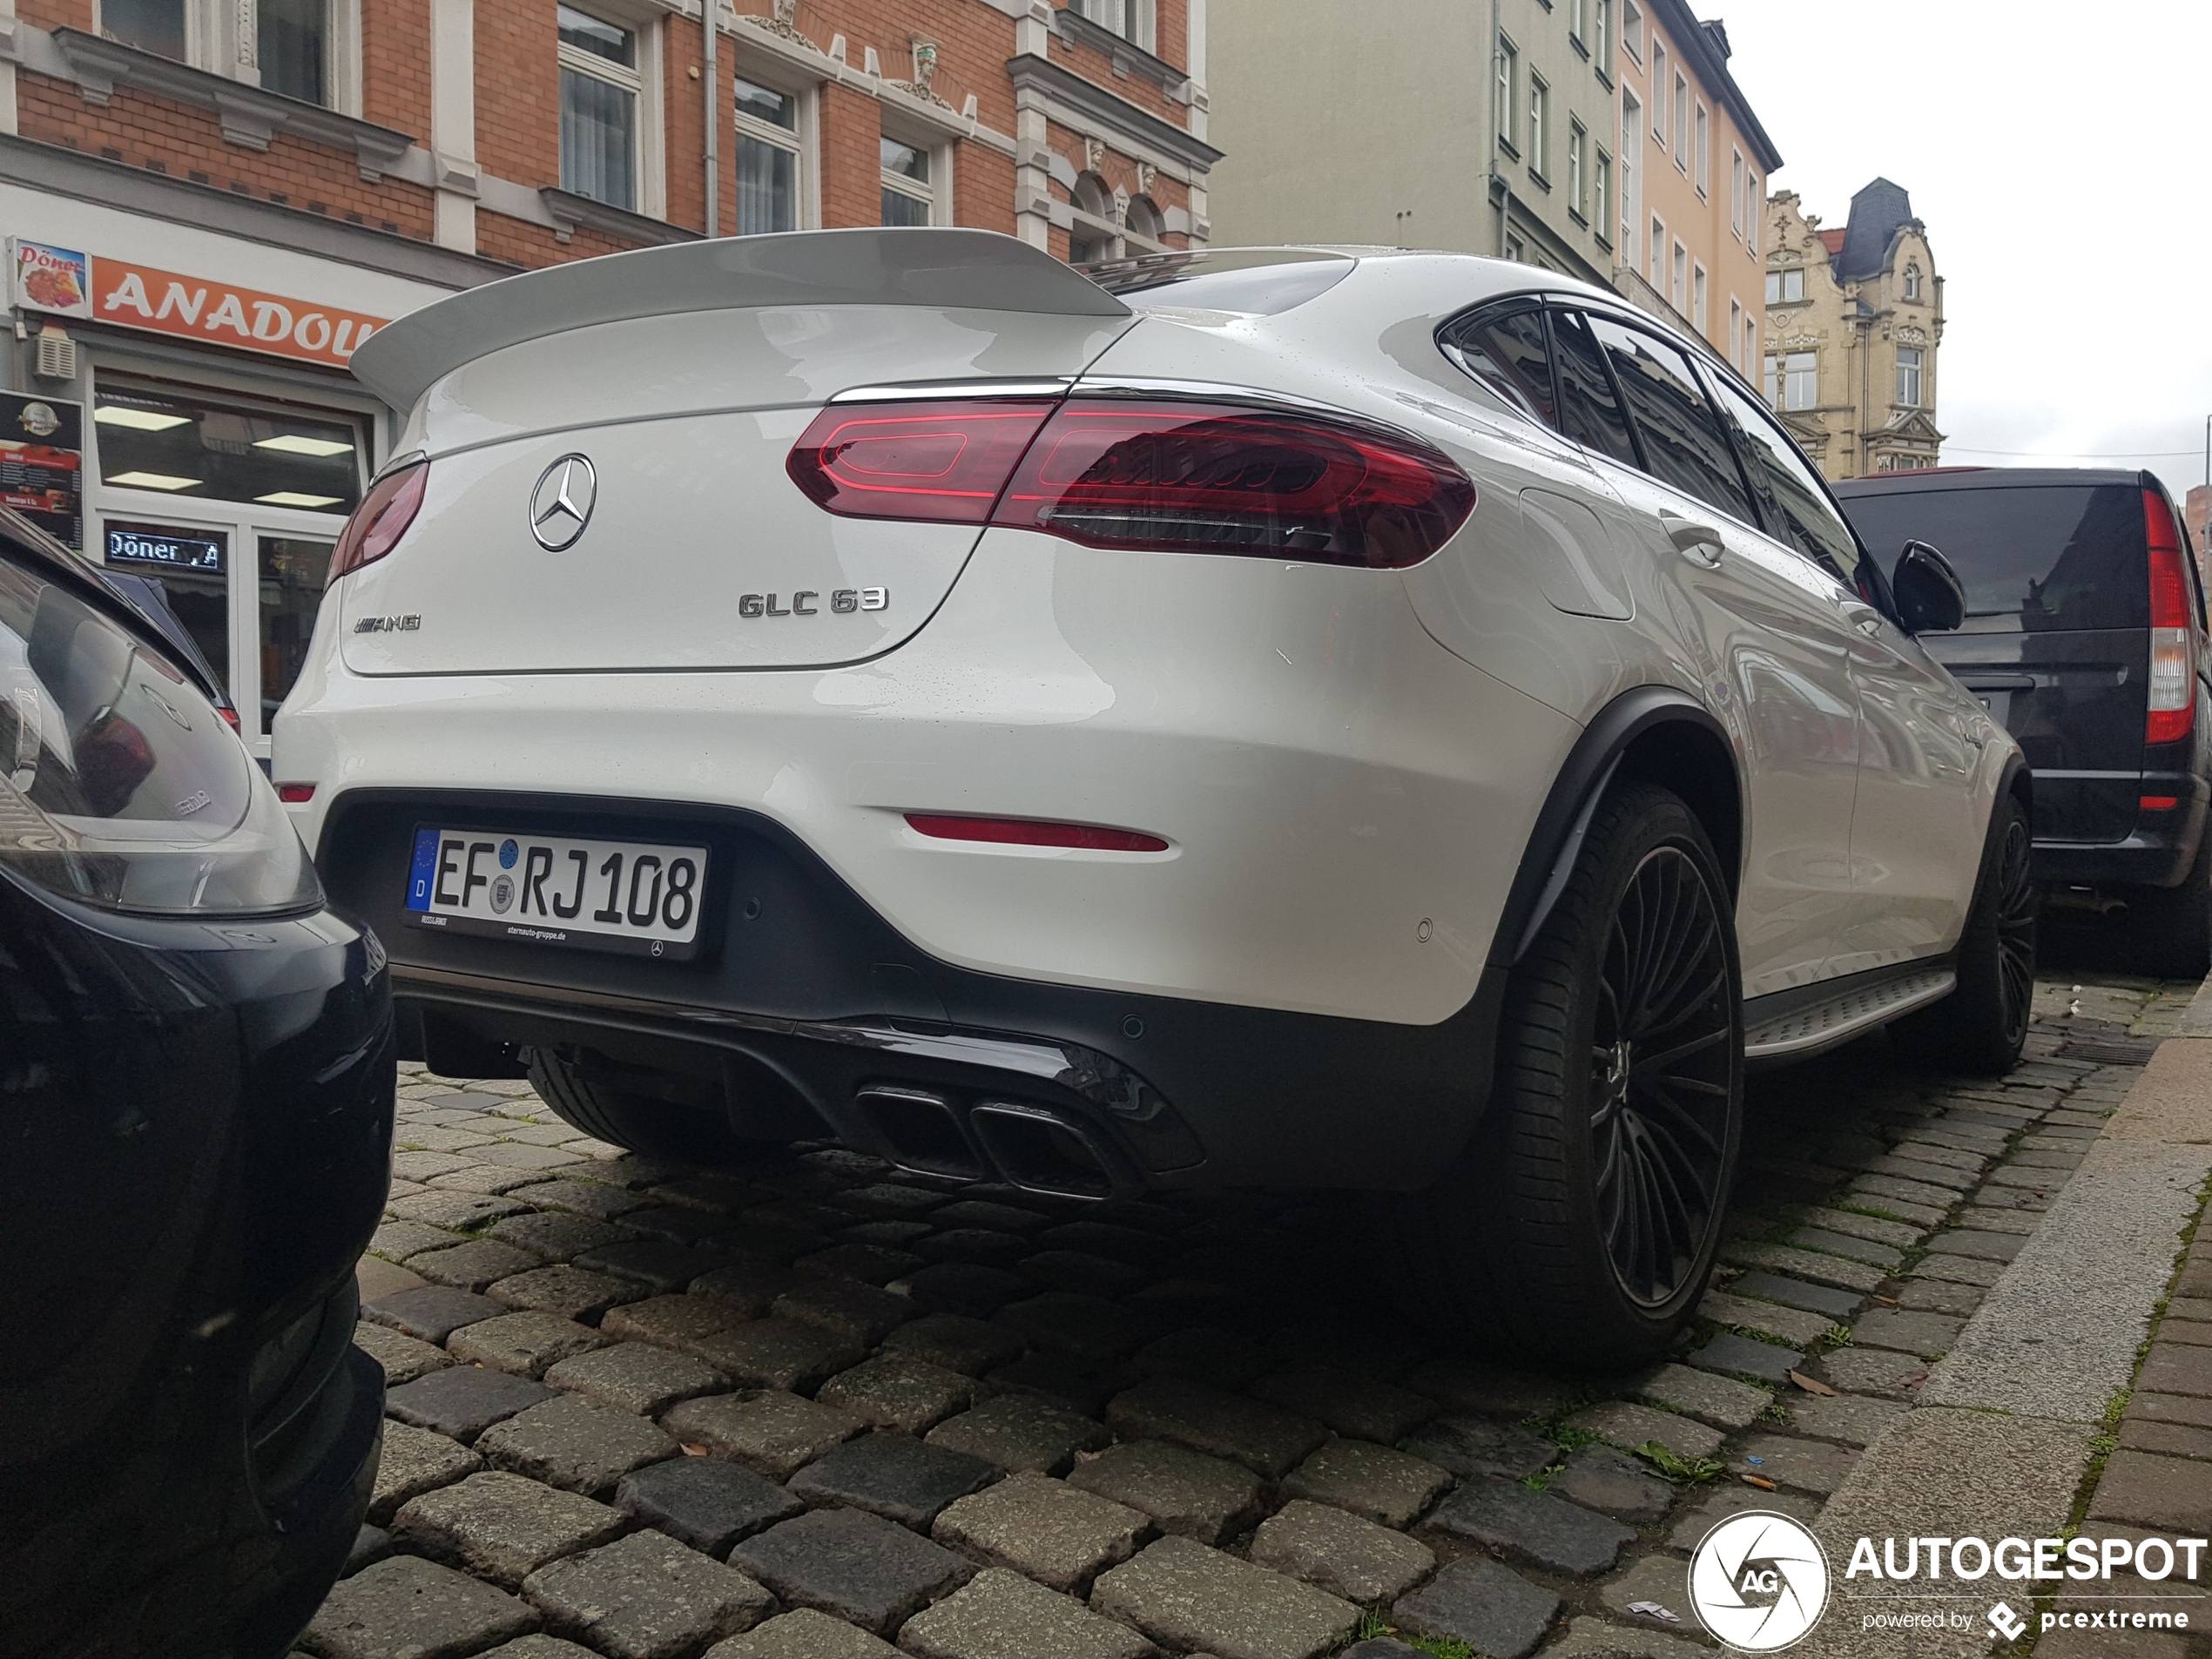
(1693, 165)
(1855, 317)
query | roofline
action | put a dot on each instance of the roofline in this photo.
(1690, 37)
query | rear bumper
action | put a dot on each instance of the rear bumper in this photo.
(2158, 853)
(200, 1118)
(805, 1002)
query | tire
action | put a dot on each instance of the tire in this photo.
(591, 1097)
(1580, 1224)
(2170, 929)
(1980, 1028)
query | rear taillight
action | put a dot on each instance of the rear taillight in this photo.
(1177, 477)
(2172, 640)
(1158, 475)
(943, 462)
(295, 794)
(1030, 831)
(377, 524)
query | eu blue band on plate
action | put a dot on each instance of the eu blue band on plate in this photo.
(425, 870)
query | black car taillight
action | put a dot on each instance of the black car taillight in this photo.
(2172, 640)
(1157, 475)
(377, 524)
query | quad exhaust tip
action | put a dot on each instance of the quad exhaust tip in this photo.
(1029, 1147)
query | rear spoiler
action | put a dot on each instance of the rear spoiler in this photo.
(963, 269)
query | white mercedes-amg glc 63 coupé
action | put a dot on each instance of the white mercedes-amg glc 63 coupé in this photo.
(1349, 718)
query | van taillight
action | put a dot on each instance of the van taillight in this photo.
(377, 524)
(2172, 639)
(1157, 475)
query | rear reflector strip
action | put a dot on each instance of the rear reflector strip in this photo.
(2159, 803)
(1027, 832)
(294, 794)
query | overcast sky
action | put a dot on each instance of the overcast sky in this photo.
(2056, 154)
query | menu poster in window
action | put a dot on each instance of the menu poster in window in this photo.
(41, 469)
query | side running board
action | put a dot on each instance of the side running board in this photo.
(1846, 1011)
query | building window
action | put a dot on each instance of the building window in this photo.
(1697, 311)
(1577, 183)
(1658, 254)
(1602, 208)
(1088, 244)
(767, 159)
(1514, 250)
(1785, 287)
(1578, 12)
(1913, 282)
(1540, 100)
(1750, 346)
(1908, 376)
(1659, 93)
(1793, 380)
(1736, 192)
(1133, 20)
(1734, 331)
(1144, 219)
(1602, 36)
(1632, 30)
(1681, 122)
(292, 43)
(150, 25)
(599, 87)
(1679, 292)
(907, 198)
(1508, 77)
(1704, 149)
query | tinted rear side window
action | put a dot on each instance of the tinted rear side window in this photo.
(2052, 556)
(1507, 354)
(1682, 442)
(1588, 412)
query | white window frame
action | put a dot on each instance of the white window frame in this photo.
(938, 192)
(1508, 66)
(1755, 215)
(1659, 90)
(1681, 121)
(803, 143)
(1910, 374)
(1795, 369)
(1736, 177)
(1678, 279)
(1602, 37)
(225, 39)
(1577, 21)
(1701, 146)
(1734, 329)
(1700, 289)
(1602, 206)
(1577, 179)
(1632, 31)
(1658, 254)
(1539, 97)
(1135, 21)
(649, 185)
(1913, 282)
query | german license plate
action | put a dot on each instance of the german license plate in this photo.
(629, 896)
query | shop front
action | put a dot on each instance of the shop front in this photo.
(192, 390)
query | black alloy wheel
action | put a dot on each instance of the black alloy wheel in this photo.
(2016, 912)
(1662, 1081)
(1982, 1026)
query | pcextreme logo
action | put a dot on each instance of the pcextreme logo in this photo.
(1759, 1581)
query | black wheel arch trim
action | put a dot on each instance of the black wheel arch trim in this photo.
(1583, 779)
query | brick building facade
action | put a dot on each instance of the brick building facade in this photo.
(209, 202)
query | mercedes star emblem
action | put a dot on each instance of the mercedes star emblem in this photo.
(561, 505)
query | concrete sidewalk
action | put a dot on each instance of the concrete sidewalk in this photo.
(2011, 1425)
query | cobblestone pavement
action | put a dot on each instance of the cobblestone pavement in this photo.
(810, 1408)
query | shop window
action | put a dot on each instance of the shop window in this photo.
(191, 569)
(599, 88)
(150, 25)
(203, 449)
(908, 197)
(293, 573)
(293, 48)
(767, 159)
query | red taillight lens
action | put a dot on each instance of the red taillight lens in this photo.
(230, 716)
(2159, 803)
(944, 463)
(377, 524)
(2172, 639)
(1177, 477)
(295, 794)
(1029, 832)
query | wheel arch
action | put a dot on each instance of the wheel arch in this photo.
(1651, 734)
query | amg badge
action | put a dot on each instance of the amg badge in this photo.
(407, 624)
(807, 602)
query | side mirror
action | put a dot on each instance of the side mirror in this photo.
(1929, 598)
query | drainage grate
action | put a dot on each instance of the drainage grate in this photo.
(2112, 1053)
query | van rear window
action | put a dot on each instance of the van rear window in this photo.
(2051, 556)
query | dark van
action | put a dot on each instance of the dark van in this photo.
(2085, 634)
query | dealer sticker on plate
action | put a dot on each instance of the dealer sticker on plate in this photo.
(553, 890)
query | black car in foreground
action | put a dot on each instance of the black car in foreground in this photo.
(2085, 634)
(196, 1093)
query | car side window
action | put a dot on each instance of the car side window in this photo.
(1508, 355)
(1589, 413)
(1683, 444)
(1797, 504)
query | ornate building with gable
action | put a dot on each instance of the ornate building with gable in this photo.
(1854, 317)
